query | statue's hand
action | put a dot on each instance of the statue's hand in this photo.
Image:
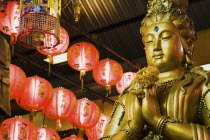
(150, 107)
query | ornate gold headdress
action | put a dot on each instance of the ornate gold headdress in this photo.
(160, 6)
(175, 12)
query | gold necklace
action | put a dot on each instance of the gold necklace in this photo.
(162, 86)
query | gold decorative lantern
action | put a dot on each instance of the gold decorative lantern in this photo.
(39, 23)
(77, 9)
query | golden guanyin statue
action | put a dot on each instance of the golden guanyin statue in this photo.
(175, 104)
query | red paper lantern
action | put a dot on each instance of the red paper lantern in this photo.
(73, 137)
(37, 94)
(63, 105)
(17, 79)
(61, 48)
(86, 115)
(82, 57)
(18, 129)
(107, 72)
(47, 134)
(125, 81)
(97, 131)
(9, 21)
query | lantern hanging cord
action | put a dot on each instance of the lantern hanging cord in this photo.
(102, 106)
(102, 45)
(32, 114)
(44, 118)
(49, 69)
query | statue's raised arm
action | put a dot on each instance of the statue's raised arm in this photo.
(177, 106)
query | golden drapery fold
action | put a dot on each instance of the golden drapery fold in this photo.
(5, 59)
(200, 132)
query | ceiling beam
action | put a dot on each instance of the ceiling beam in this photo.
(101, 44)
(116, 25)
(110, 27)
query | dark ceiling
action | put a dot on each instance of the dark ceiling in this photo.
(109, 25)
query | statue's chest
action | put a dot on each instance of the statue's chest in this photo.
(180, 103)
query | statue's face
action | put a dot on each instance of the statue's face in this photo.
(163, 46)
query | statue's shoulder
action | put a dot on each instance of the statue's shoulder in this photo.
(199, 71)
(205, 96)
(205, 76)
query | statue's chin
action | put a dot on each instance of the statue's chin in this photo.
(160, 64)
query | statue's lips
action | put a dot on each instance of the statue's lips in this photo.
(158, 56)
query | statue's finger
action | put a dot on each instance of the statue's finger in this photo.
(154, 90)
(146, 90)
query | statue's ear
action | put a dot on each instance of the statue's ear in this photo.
(191, 45)
(188, 52)
(184, 45)
(188, 47)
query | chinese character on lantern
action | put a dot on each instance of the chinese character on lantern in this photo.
(9, 21)
(47, 134)
(18, 129)
(82, 57)
(125, 81)
(63, 105)
(107, 72)
(97, 131)
(86, 115)
(37, 94)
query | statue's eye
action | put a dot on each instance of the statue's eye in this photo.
(148, 39)
(166, 36)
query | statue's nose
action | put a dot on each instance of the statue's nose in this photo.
(157, 45)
